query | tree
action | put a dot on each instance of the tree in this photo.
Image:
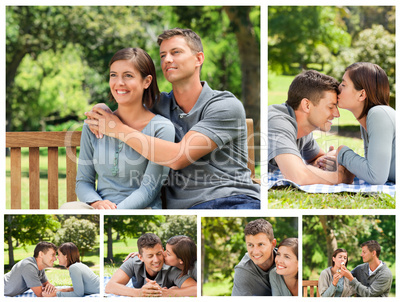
(26, 230)
(82, 232)
(178, 225)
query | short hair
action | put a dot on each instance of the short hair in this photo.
(259, 226)
(336, 252)
(144, 64)
(373, 79)
(372, 245)
(193, 40)
(70, 250)
(185, 249)
(292, 243)
(44, 246)
(147, 240)
(311, 85)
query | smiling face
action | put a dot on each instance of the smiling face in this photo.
(178, 61)
(286, 262)
(126, 83)
(322, 114)
(260, 250)
(153, 259)
(340, 258)
(48, 258)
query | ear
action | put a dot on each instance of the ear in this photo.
(362, 95)
(273, 242)
(200, 59)
(140, 257)
(305, 105)
(147, 81)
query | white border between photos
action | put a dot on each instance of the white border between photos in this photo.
(263, 110)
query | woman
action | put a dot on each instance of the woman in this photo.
(85, 282)
(125, 179)
(364, 91)
(331, 283)
(284, 277)
(181, 252)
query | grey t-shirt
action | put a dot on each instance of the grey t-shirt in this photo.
(223, 172)
(123, 175)
(378, 164)
(278, 284)
(24, 275)
(282, 136)
(166, 277)
(250, 280)
(84, 280)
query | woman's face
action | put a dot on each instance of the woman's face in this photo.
(340, 258)
(286, 262)
(62, 258)
(126, 83)
(171, 258)
(349, 98)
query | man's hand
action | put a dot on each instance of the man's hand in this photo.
(101, 106)
(151, 289)
(344, 175)
(131, 255)
(328, 162)
(104, 205)
(103, 122)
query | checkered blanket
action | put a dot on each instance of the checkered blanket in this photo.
(107, 279)
(30, 293)
(358, 186)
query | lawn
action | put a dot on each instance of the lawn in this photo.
(120, 250)
(345, 131)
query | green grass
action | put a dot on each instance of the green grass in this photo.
(120, 250)
(217, 288)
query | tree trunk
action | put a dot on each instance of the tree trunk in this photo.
(330, 238)
(10, 244)
(109, 243)
(249, 52)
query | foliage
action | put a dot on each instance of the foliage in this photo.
(81, 232)
(178, 225)
(224, 246)
(349, 232)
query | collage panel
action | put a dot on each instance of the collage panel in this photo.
(250, 256)
(349, 256)
(331, 107)
(51, 255)
(150, 256)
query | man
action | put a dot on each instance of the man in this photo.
(373, 278)
(209, 156)
(311, 104)
(252, 273)
(30, 272)
(151, 277)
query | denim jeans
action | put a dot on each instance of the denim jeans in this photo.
(230, 202)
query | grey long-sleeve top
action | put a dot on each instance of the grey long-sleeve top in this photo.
(327, 288)
(85, 282)
(378, 164)
(278, 284)
(124, 176)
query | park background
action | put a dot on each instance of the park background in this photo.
(121, 233)
(328, 40)
(322, 235)
(57, 63)
(223, 246)
(23, 232)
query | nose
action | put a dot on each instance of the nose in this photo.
(168, 58)
(336, 112)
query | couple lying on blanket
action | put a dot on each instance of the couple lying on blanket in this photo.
(155, 272)
(30, 273)
(313, 100)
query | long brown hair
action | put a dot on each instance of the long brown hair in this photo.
(185, 249)
(336, 252)
(71, 251)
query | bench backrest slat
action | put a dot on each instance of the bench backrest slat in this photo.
(53, 177)
(308, 288)
(15, 177)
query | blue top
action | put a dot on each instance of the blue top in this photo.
(123, 175)
(85, 282)
(378, 164)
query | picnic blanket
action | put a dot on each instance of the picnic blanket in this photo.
(106, 280)
(358, 186)
(30, 293)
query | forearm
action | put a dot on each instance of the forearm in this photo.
(318, 176)
(190, 291)
(122, 290)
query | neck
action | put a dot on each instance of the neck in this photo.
(303, 127)
(267, 265)
(150, 272)
(40, 264)
(134, 116)
(291, 283)
(374, 264)
(186, 94)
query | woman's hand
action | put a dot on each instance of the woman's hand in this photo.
(103, 122)
(328, 162)
(104, 205)
(131, 255)
(336, 278)
(346, 273)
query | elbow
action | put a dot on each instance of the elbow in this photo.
(181, 163)
(108, 288)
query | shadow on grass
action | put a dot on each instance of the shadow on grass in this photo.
(352, 131)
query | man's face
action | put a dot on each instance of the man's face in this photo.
(366, 254)
(48, 258)
(153, 259)
(260, 249)
(178, 62)
(322, 114)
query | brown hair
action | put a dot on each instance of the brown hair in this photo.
(336, 252)
(43, 246)
(144, 64)
(373, 79)
(147, 240)
(311, 85)
(70, 250)
(185, 249)
(373, 245)
(259, 226)
(293, 243)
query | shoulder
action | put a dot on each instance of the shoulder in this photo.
(380, 112)
(159, 122)
(245, 263)
(386, 271)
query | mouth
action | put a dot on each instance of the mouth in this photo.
(121, 92)
(170, 69)
(280, 267)
(257, 257)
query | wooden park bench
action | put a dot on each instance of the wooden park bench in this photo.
(308, 288)
(54, 140)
